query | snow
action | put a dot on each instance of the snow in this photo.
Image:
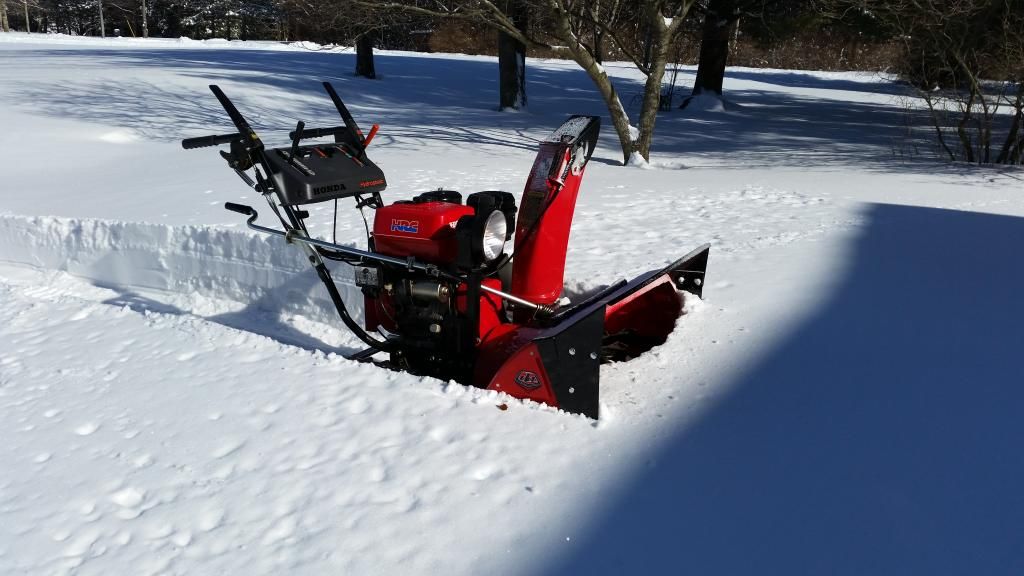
(637, 160)
(174, 399)
(707, 102)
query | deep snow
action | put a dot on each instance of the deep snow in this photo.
(846, 399)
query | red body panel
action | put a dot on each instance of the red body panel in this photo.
(490, 306)
(425, 230)
(379, 314)
(650, 312)
(542, 235)
(510, 362)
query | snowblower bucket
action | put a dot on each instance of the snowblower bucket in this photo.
(643, 313)
(560, 365)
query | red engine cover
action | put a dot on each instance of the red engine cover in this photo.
(425, 230)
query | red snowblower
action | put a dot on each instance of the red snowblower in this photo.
(443, 295)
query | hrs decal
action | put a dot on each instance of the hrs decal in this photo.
(408, 226)
(528, 380)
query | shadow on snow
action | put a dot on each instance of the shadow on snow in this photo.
(882, 436)
(422, 99)
(263, 316)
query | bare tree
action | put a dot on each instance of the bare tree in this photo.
(566, 25)
(970, 82)
(4, 24)
(319, 21)
(663, 21)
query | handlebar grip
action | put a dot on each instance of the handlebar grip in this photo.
(212, 140)
(240, 208)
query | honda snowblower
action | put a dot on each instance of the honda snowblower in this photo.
(443, 295)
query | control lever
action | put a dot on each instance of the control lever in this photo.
(350, 156)
(292, 155)
(369, 137)
(296, 137)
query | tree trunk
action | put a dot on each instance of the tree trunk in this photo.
(661, 32)
(1012, 139)
(103, 29)
(28, 23)
(1015, 134)
(512, 60)
(963, 134)
(145, 21)
(647, 47)
(594, 11)
(652, 95)
(714, 48)
(4, 24)
(620, 120)
(364, 56)
(512, 72)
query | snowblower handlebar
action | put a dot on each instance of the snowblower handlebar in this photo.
(212, 140)
(240, 208)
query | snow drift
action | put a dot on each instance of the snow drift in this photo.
(185, 260)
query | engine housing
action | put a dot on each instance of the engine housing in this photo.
(424, 230)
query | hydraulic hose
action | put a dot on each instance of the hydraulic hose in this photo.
(339, 304)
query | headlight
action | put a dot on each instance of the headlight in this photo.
(495, 232)
(481, 236)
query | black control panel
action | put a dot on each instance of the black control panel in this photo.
(300, 174)
(308, 174)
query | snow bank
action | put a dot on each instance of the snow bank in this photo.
(186, 260)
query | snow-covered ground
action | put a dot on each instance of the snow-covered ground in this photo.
(846, 400)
